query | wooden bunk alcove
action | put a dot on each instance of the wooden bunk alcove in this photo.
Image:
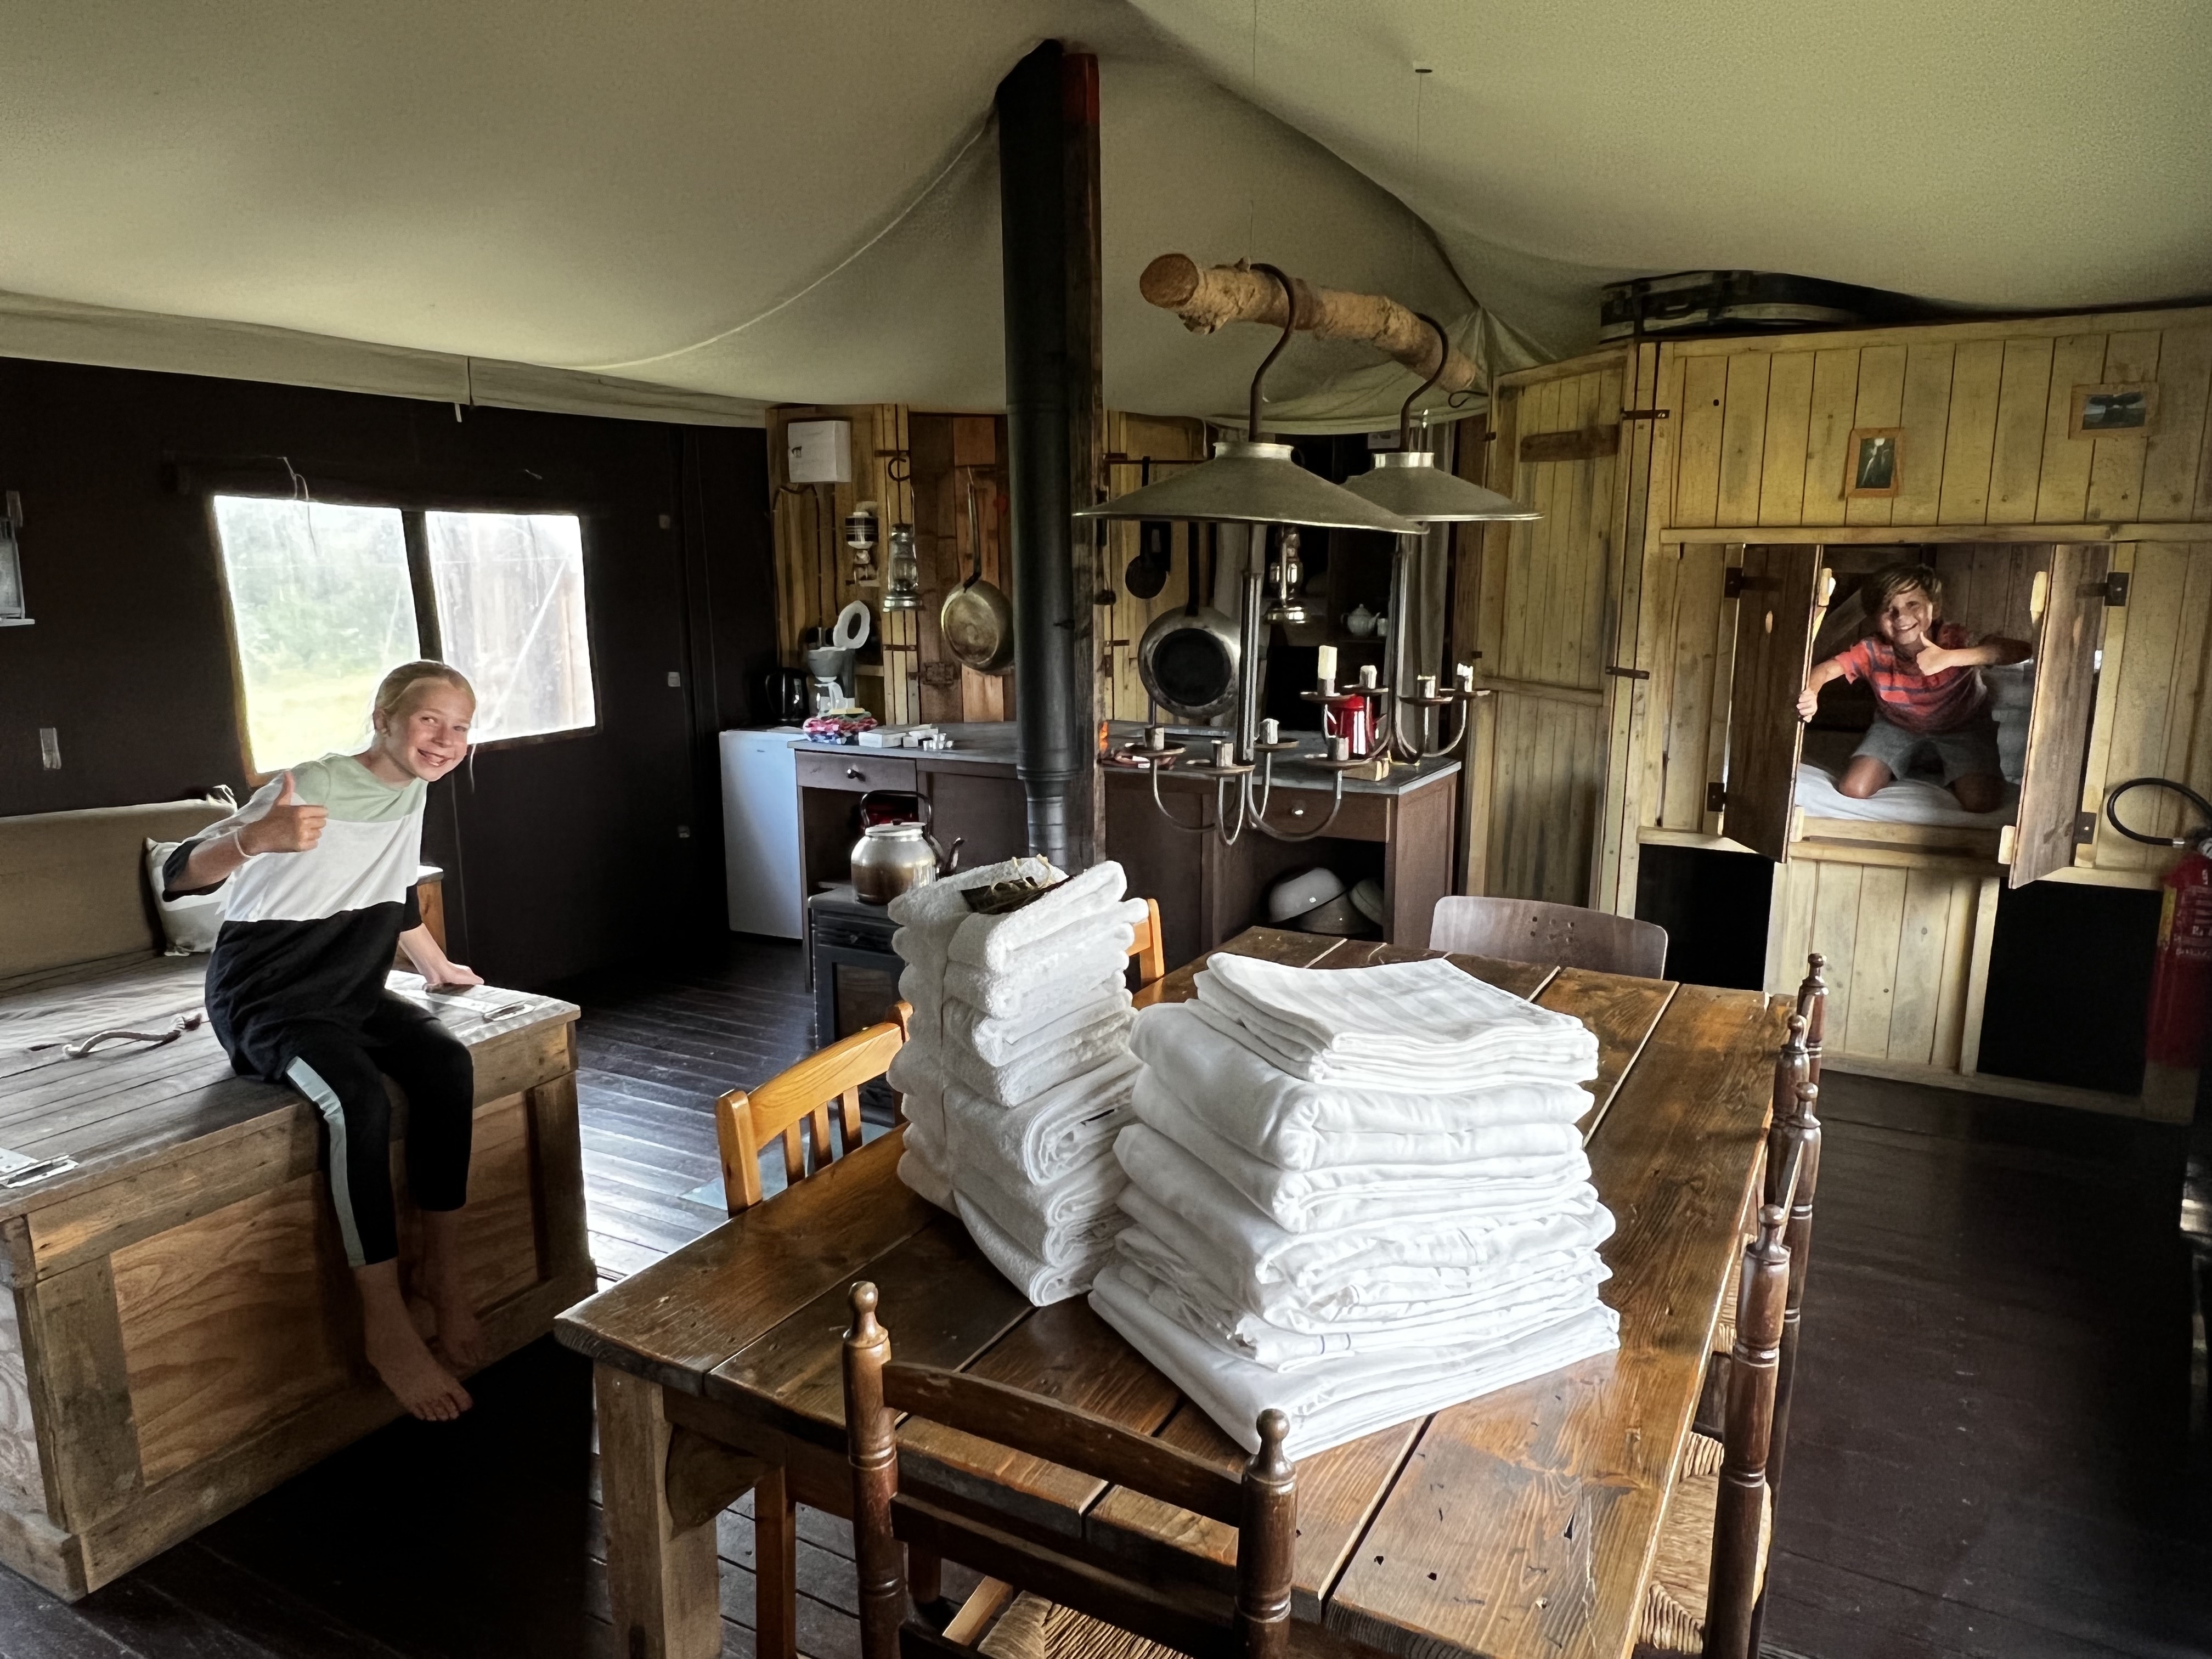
(1647, 638)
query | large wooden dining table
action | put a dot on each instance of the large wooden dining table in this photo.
(1520, 1524)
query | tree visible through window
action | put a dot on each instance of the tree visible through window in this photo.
(323, 602)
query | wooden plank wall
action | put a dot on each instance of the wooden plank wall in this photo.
(1903, 947)
(1763, 426)
(1162, 438)
(1546, 598)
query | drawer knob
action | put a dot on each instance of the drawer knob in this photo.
(855, 773)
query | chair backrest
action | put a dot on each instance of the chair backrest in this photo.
(746, 1120)
(1191, 1613)
(1793, 1175)
(1565, 935)
(1148, 948)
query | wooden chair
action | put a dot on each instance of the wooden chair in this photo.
(1149, 948)
(1099, 1605)
(745, 1121)
(1707, 1590)
(1530, 930)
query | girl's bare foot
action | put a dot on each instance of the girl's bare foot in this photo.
(460, 1337)
(397, 1352)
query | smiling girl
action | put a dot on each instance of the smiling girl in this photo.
(321, 865)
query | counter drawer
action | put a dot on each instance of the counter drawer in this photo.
(857, 770)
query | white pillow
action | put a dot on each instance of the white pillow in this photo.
(189, 923)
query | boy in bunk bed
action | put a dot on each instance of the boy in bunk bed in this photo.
(1927, 694)
(321, 865)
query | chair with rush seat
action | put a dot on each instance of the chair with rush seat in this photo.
(1561, 935)
(1149, 948)
(1707, 1585)
(1100, 1608)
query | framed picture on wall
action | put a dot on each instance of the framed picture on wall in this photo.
(1876, 461)
(2114, 411)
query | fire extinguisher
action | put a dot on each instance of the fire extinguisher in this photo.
(2181, 976)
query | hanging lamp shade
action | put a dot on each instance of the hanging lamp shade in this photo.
(1408, 482)
(1247, 482)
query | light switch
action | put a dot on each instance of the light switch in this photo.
(675, 678)
(50, 748)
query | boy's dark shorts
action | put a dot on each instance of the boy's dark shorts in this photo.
(1966, 751)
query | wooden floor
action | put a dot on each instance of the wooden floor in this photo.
(1989, 1456)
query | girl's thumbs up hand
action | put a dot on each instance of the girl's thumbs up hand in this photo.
(286, 826)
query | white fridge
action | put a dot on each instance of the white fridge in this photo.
(760, 831)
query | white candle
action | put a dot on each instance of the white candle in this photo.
(1325, 666)
(1466, 677)
(1271, 731)
(1225, 752)
(1427, 683)
(1367, 676)
(1156, 737)
(1340, 748)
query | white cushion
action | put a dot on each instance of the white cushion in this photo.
(189, 923)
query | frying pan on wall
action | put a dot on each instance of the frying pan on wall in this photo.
(1188, 658)
(977, 622)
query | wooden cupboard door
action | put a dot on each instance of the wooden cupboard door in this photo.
(1542, 604)
(1773, 647)
(2066, 642)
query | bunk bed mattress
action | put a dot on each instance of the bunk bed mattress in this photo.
(1903, 800)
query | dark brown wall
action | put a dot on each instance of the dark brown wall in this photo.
(564, 853)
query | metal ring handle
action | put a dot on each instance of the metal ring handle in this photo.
(2113, 818)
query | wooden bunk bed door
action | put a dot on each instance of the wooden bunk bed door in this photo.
(2067, 638)
(1773, 640)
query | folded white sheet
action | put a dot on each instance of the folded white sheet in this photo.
(1344, 1270)
(1299, 1124)
(1042, 1138)
(1283, 1313)
(914, 1071)
(1002, 1041)
(1094, 894)
(1342, 1195)
(923, 1168)
(1355, 1394)
(1044, 974)
(1192, 1303)
(1044, 1284)
(1025, 1079)
(1408, 1022)
(1075, 1217)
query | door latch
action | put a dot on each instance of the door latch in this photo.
(1716, 796)
(2116, 589)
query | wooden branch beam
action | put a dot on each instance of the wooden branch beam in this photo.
(1206, 298)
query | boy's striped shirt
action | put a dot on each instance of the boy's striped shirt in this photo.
(1911, 700)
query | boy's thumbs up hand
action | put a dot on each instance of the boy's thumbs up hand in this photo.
(286, 826)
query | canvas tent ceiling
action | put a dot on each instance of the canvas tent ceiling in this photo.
(750, 201)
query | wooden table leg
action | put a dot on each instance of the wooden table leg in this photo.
(662, 1579)
(775, 1562)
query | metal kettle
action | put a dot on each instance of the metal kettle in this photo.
(894, 858)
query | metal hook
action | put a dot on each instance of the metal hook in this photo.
(1290, 327)
(1443, 356)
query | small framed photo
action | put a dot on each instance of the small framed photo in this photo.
(2114, 411)
(1877, 460)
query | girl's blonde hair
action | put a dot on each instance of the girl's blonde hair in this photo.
(394, 691)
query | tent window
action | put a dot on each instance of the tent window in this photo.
(324, 599)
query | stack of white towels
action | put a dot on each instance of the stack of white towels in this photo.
(1017, 1072)
(1358, 1195)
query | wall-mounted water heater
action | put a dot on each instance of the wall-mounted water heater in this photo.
(818, 451)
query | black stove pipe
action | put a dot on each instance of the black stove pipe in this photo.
(1033, 237)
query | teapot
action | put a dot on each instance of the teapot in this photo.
(894, 858)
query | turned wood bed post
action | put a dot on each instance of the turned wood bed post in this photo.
(874, 1457)
(1739, 1506)
(1267, 1539)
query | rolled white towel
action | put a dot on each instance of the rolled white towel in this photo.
(1299, 1124)
(1192, 1303)
(1221, 1233)
(1075, 1216)
(913, 1073)
(1041, 1283)
(1002, 1041)
(1042, 1138)
(1024, 1080)
(1042, 974)
(922, 1166)
(1093, 898)
(1548, 1160)
(1331, 1403)
(940, 901)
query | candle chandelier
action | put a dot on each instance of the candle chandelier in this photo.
(1262, 485)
